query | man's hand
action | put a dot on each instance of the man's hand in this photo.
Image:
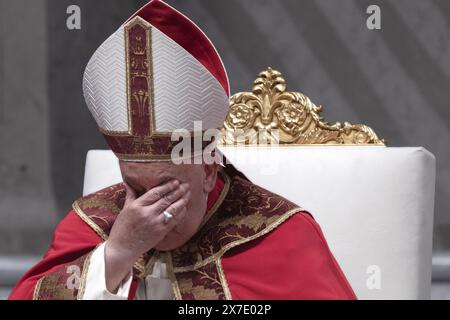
(140, 226)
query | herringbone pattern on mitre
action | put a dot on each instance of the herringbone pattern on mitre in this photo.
(185, 91)
(104, 84)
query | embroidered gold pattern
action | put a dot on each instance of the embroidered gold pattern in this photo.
(247, 213)
(173, 279)
(54, 286)
(83, 277)
(242, 213)
(141, 142)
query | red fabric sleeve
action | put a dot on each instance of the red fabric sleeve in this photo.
(292, 262)
(72, 239)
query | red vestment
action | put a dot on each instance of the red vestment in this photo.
(289, 261)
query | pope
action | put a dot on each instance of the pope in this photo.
(175, 231)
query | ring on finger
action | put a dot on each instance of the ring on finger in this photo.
(167, 217)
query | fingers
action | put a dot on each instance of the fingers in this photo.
(130, 195)
(170, 198)
(178, 210)
(159, 192)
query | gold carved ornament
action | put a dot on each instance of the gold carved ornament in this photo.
(272, 115)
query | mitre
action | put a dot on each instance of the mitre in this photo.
(158, 73)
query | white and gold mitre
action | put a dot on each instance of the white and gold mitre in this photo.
(157, 73)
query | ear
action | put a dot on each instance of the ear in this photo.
(210, 171)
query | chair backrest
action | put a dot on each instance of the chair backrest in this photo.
(102, 170)
(374, 204)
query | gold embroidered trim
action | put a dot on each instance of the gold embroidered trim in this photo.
(150, 82)
(81, 290)
(83, 277)
(223, 280)
(233, 244)
(138, 265)
(148, 30)
(173, 278)
(113, 133)
(148, 267)
(98, 202)
(37, 288)
(223, 194)
(144, 157)
(127, 59)
(88, 220)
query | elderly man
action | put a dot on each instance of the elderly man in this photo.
(189, 231)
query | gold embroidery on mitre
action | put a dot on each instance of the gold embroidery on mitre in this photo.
(272, 115)
(144, 157)
(140, 49)
(143, 50)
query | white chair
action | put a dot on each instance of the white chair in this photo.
(374, 204)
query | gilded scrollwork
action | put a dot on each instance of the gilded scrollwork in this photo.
(271, 115)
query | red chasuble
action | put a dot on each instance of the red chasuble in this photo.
(253, 245)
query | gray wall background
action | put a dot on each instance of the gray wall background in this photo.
(396, 80)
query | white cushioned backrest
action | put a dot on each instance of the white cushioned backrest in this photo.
(374, 204)
(102, 170)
